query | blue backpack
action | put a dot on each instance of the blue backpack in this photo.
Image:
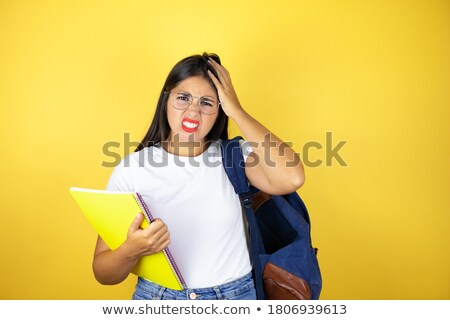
(285, 265)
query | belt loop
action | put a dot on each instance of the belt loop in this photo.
(161, 292)
(218, 293)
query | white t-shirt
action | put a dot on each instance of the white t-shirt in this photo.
(197, 202)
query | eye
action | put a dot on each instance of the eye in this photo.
(183, 97)
(206, 103)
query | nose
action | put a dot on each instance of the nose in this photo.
(195, 105)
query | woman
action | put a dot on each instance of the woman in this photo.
(177, 169)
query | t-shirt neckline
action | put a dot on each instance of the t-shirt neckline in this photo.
(186, 157)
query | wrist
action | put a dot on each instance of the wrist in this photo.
(238, 114)
(126, 252)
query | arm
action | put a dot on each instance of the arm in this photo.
(273, 166)
(114, 266)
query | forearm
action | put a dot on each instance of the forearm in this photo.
(277, 166)
(278, 160)
(112, 267)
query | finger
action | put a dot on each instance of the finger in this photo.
(220, 69)
(136, 222)
(165, 244)
(154, 227)
(217, 67)
(161, 246)
(158, 244)
(163, 239)
(214, 80)
(160, 233)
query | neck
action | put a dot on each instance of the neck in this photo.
(185, 149)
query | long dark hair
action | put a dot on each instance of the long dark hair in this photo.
(195, 65)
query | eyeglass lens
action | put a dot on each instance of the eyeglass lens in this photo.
(182, 100)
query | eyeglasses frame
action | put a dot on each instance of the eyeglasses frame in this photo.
(198, 102)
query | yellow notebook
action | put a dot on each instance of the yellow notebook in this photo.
(111, 214)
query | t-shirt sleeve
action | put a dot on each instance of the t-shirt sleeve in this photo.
(121, 178)
(246, 148)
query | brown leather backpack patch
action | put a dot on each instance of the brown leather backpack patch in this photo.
(280, 284)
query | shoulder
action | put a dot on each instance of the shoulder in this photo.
(140, 158)
(244, 145)
(246, 148)
(136, 159)
(124, 174)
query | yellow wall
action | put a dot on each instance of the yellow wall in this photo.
(77, 74)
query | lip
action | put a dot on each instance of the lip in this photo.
(187, 129)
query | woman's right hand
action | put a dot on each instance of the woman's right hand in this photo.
(143, 242)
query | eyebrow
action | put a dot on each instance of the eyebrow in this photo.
(185, 92)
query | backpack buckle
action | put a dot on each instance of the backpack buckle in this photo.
(246, 200)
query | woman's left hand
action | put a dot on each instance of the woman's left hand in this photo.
(227, 96)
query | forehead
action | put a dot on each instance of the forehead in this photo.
(196, 86)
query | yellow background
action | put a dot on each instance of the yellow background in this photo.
(77, 74)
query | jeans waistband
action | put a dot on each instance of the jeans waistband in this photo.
(149, 290)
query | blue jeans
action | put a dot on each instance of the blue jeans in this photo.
(240, 289)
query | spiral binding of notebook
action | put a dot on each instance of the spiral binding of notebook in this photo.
(166, 251)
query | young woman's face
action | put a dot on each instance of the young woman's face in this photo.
(191, 125)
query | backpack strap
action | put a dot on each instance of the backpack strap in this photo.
(234, 165)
